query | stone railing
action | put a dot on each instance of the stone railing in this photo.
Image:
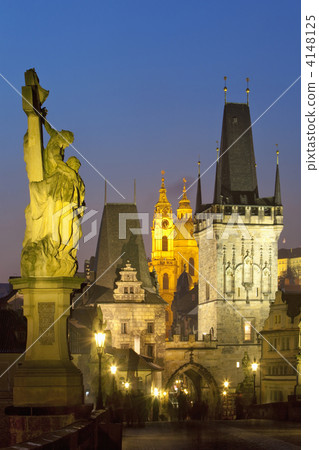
(249, 214)
(93, 433)
(177, 339)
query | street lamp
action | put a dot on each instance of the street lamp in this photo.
(99, 341)
(113, 372)
(254, 368)
(225, 392)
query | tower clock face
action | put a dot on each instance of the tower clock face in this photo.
(165, 224)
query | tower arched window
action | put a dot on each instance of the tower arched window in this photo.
(165, 281)
(207, 291)
(164, 244)
(191, 266)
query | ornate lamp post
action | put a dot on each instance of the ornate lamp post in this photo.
(113, 372)
(254, 368)
(99, 340)
(225, 393)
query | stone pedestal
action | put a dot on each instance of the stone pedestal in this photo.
(47, 377)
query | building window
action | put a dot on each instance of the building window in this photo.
(124, 328)
(150, 327)
(150, 350)
(287, 344)
(207, 291)
(191, 266)
(164, 244)
(165, 281)
(247, 331)
(257, 292)
(239, 292)
(131, 290)
(125, 290)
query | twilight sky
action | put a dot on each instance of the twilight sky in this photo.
(140, 83)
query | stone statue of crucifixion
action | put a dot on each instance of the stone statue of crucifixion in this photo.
(56, 192)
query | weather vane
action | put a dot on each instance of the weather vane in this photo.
(184, 181)
(247, 90)
(225, 88)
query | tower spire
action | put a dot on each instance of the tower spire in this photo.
(184, 209)
(247, 91)
(134, 191)
(225, 89)
(217, 178)
(199, 190)
(162, 192)
(105, 193)
(277, 195)
(184, 188)
(236, 178)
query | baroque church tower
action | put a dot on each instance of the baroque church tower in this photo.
(237, 237)
(173, 246)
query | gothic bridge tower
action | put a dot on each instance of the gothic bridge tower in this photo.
(237, 237)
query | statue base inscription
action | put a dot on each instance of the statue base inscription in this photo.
(47, 376)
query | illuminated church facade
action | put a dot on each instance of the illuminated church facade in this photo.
(174, 248)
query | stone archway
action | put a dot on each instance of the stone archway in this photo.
(204, 383)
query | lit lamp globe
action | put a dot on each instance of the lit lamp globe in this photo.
(254, 366)
(99, 341)
(113, 370)
(226, 384)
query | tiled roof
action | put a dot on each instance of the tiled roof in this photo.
(113, 241)
(128, 360)
(289, 253)
(236, 168)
